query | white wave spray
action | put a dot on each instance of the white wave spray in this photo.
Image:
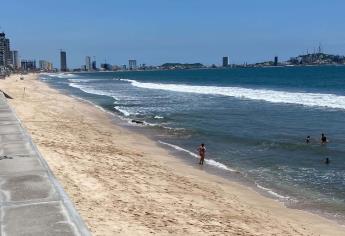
(273, 96)
(61, 75)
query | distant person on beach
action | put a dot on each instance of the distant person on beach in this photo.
(202, 152)
(324, 139)
(307, 140)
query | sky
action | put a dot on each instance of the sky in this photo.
(158, 31)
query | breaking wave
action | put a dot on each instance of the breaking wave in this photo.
(62, 75)
(273, 96)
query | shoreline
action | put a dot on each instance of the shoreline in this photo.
(123, 190)
(213, 167)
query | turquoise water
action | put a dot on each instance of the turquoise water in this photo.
(252, 120)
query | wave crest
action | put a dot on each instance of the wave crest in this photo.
(273, 96)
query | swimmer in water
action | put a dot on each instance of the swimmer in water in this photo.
(307, 140)
(324, 139)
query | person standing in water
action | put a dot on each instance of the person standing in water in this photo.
(323, 139)
(307, 140)
(202, 152)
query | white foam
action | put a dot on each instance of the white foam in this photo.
(273, 96)
(158, 117)
(270, 191)
(80, 80)
(62, 75)
(124, 112)
(208, 161)
(90, 90)
(85, 80)
(45, 78)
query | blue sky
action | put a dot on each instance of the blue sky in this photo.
(158, 31)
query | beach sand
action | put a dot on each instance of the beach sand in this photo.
(122, 183)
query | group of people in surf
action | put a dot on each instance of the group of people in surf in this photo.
(323, 140)
(202, 148)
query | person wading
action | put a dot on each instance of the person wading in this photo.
(202, 152)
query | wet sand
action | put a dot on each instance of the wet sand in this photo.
(123, 183)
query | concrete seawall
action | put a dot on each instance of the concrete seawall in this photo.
(32, 202)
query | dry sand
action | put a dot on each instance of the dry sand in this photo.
(122, 183)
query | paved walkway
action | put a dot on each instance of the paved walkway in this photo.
(32, 202)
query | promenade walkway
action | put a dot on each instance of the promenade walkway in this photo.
(31, 200)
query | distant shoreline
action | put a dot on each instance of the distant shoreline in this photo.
(203, 68)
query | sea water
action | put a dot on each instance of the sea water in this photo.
(254, 122)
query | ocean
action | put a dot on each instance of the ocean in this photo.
(253, 121)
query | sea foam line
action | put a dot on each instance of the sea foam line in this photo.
(273, 96)
(208, 161)
(61, 75)
(270, 191)
(90, 90)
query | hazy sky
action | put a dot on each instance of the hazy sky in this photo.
(158, 31)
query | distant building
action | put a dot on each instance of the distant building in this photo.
(132, 64)
(11, 60)
(275, 61)
(225, 61)
(15, 59)
(45, 65)
(28, 65)
(106, 66)
(116, 67)
(63, 61)
(8, 52)
(2, 49)
(88, 63)
(94, 65)
(5, 53)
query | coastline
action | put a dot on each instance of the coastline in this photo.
(123, 183)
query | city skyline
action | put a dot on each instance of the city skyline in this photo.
(10, 61)
(158, 32)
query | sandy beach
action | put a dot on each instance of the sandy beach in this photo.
(123, 183)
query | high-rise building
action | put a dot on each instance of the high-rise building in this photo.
(15, 59)
(225, 61)
(2, 49)
(132, 64)
(275, 61)
(28, 65)
(63, 61)
(94, 65)
(5, 53)
(88, 63)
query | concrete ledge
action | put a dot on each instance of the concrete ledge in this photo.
(37, 219)
(32, 202)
